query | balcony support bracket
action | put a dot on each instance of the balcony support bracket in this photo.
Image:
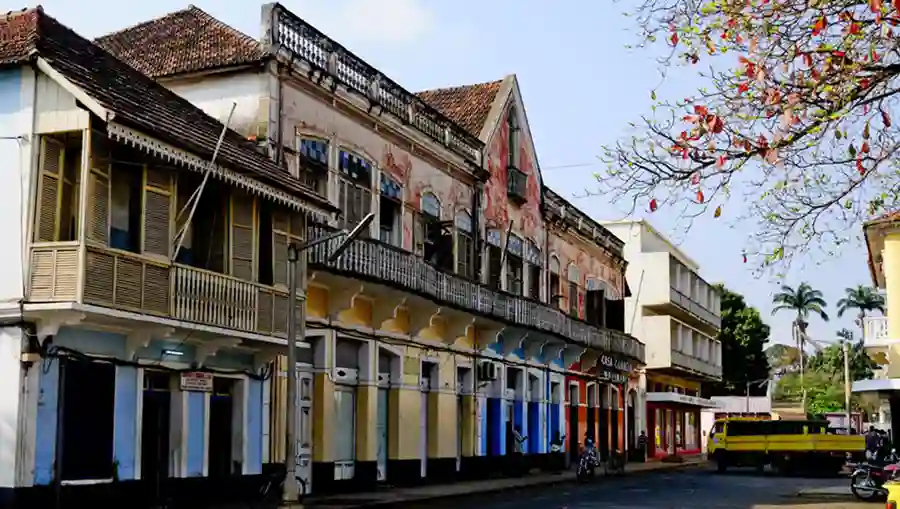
(485, 336)
(263, 358)
(421, 319)
(572, 354)
(458, 327)
(384, 309)
(139, 339)
(534, 347)
(589, 360)
(340, 299)
(209, 347)
(552, 350)
(513, 339)
(49, 326)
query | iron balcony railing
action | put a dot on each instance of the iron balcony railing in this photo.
(374, 260)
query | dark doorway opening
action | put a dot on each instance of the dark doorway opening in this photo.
(87, 414)
(574, 436)
(155, 426)
(221, 428)
(603, 439)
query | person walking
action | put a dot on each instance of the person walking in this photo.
(642, 447)
(518, 451)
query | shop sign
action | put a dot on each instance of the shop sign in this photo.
(614, 376)
(608, 361)
(196, 381)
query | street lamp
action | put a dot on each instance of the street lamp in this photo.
(298, 253)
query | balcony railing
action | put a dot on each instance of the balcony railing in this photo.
(375, 261)
(693, 307)
(694, 364)
(306, 43)
(875, 331)
(131, 282)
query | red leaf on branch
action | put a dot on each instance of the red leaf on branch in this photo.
(674, 40)
(720, 162)
(700, 196)
(701, 110)
(896, 4)
(653, 205)
(822, 24)
(695, 178)
(743, 87)
(875, 5)
(745, 257)
(859, 166)
(885, 118)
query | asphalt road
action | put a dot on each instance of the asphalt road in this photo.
(685, 489)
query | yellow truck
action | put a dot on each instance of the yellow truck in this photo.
(788, 446)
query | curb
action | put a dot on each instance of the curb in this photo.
(822, 496)
(386, 504)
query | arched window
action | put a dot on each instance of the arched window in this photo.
(535, 262)
(514, 264)
(354, 187)
(574, 276)
(464, 243)
(312, 165)
(390, 211)
(595, 301)
(555, 289)
(436, 240)
(512, 126)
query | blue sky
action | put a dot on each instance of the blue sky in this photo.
(581, 87)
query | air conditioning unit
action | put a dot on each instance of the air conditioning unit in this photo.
(346, 375)
(488, 371)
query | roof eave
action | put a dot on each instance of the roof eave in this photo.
(96, 108)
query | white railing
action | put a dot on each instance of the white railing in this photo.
(875, 331)
(693, 307)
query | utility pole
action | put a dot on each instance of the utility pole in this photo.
(847, 381)
(296, 326)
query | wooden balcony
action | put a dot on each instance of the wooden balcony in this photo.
(378, 262)
(131, 282)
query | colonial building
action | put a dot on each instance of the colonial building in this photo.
(676, 313)
(436, 336)
(137, 326)
(880, 333)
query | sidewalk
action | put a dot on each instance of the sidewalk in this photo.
(390, 497)
(832, 492)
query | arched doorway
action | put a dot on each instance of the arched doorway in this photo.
(631, 403)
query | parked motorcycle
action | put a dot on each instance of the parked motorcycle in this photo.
(588, 462)
(867, 480)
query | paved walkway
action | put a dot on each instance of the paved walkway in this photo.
(838, 491)
(423, 493)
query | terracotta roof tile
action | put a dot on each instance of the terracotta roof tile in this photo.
(467, 105)
(136, 100)
(185, 41)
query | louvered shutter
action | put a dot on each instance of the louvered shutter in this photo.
(98, 193)
(281, 227)
(52, 164)
(242, 237)
(157, 212)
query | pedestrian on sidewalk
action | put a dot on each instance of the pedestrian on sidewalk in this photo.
(518, 451)
(557, 457)
(642, 447)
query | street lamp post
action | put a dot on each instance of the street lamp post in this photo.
(296, 326)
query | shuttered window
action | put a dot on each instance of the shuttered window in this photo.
(287, 227)
(98, 192)
(57, 204)
(242, 235)
(157, 212)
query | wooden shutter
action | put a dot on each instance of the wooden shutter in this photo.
(52, 162)
(287, 227)
(242, 235)
(98, 192)
(157, 212)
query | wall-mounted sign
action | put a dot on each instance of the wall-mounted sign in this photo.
(622, 365)
(614, 377)
(196, 381)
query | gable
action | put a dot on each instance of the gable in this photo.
(466, 105)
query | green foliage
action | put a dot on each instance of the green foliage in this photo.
(743, 335)
(830, 360)
(824, 393)
(802, 301)
(864, 299)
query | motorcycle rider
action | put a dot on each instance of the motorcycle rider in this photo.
(873, 444)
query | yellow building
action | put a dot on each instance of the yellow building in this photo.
(881, 335)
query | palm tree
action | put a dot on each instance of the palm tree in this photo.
(803, 301)
(865, 299)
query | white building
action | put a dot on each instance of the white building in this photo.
(675, 313)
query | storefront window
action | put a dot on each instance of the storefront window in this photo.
(658, 428)
(679, 417)
(691, 432)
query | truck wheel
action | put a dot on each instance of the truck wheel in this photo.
(721, 463)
